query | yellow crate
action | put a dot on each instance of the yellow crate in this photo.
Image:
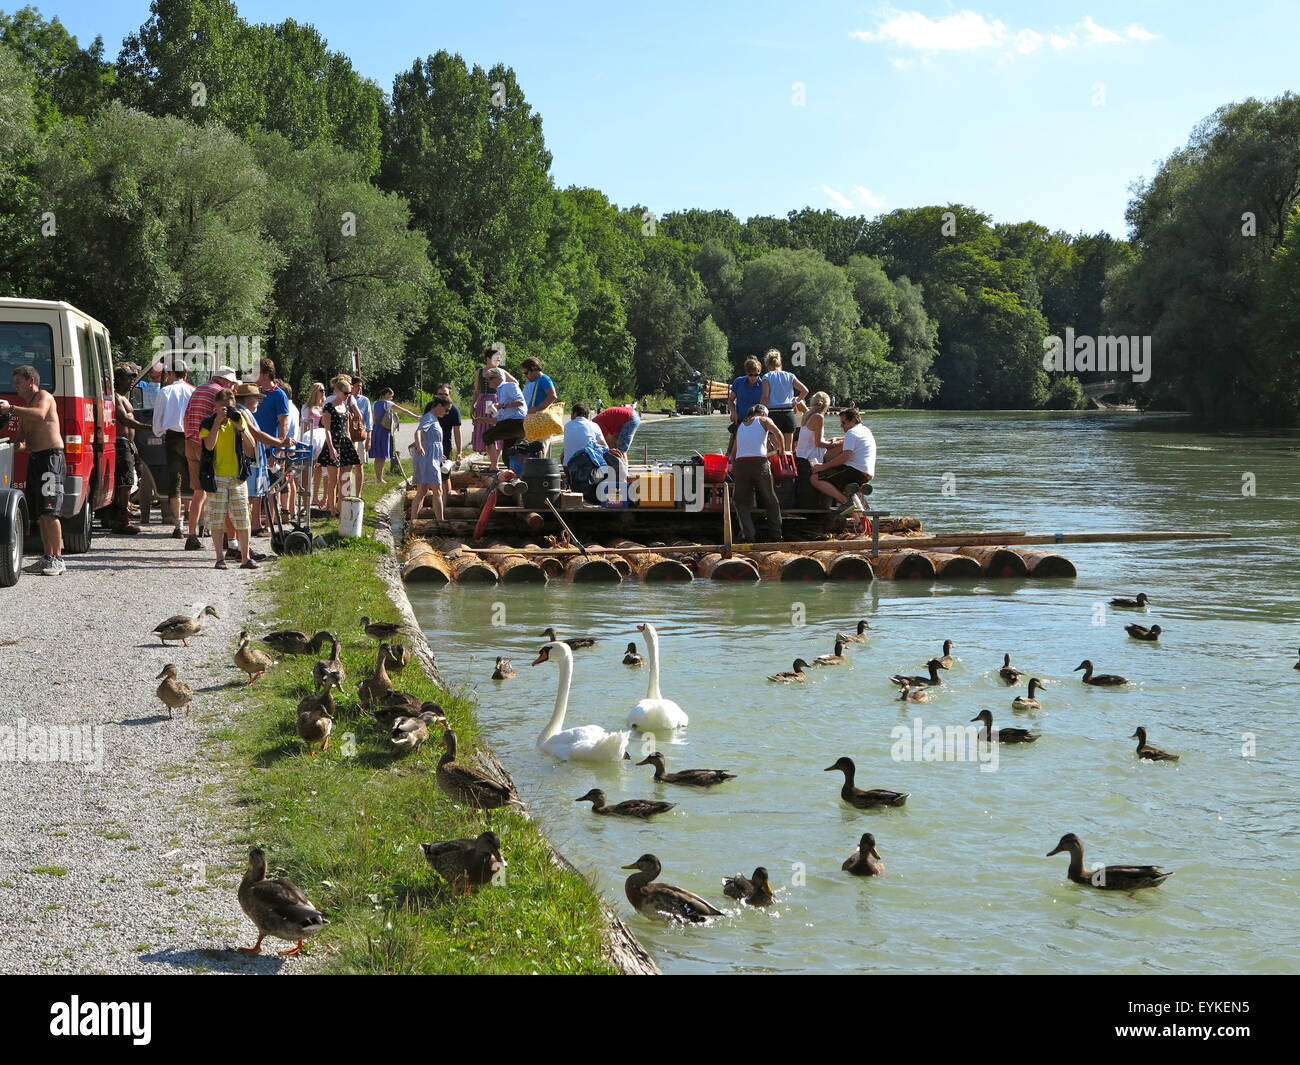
(656, 490)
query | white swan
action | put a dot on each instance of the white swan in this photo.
(654, 711)
(586, 743)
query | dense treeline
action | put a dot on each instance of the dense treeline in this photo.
(228, 178)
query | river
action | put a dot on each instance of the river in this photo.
(967, 886)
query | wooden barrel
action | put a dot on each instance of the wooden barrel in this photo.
(1046, 564)
(653, 568)
(594, 568)
(903, 566)
(998, 561)
(784, 566)
(716, 568)
(469, 568)
(515, 569)
(422, 564)
(617, 561)
(845, 565)
(954, 567)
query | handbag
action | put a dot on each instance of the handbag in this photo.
(390, 420)
(544, 424)
(356, 424)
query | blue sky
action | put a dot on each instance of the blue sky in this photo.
(1042, 111)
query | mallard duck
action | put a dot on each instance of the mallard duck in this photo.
(696, 778)
(836, 659)
(1107, 877)
(377, 684)
(408, 734)
(250, 659)
(504, 670)
(330, 667)
(1002, 735)
(1008, 672)
(945, 660)
(397, 658)
(633, 657)
(854, 637)
(755, 890)
(642, 808)
(792, 676)
(1141, 632)
(174, 693)
(864, 800)
(1028, 702)
(909, 694)
(469, 786)
(381, 630)
(294, 642)
(1149, 753)
(865, 861)
(277, 907)
(466, 864)
(1104, 680)
(663, 899)
(320, 701)
(1131, 604)
(574, 643)
(183, 626)
(314, 725)
(920, 682)
(396, 705)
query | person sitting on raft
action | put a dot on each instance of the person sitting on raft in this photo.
(781, 391)
(812, 449)
(850, 464)
(587, 459)
(753, 472)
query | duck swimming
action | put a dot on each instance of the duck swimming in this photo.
(1148, 753)
(642, 808)
(791, 676)
(664, 899)
(1104, 680)
(1023, 702)
(574, 642)
(920, 682)
(854, 637)
(1141, 632)
(1107, 877)
(755, 890)
(836, 659)
(914, 695)
(504, 670)
(864, 799)
(865, 861)
(633, 658)
(945, 660)
(696, 778)
(1131, 604)
(1002, 735)
(1008, 672)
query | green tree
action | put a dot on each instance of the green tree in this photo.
(69, 80)
(19, 200)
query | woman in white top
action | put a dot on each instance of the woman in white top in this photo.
(812, 448)
(780, 388)
(753, 472)
(310, 432)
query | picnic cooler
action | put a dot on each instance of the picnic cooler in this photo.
(656, 489)
(783, 468)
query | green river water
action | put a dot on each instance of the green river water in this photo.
(967, 886)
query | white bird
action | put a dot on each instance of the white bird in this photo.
(654, 712)
(586, 743)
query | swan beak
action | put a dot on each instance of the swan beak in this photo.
(542, 657)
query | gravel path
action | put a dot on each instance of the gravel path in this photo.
(124, 861)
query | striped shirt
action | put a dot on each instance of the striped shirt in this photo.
(203, 401)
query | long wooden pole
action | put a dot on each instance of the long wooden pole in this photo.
(566, 528)
(726, 520)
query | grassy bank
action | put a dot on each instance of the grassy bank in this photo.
(345, 825)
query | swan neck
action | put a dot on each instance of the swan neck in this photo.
(561, 695)
(652, 652)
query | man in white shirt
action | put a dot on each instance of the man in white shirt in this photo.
(169, 423)
(852, 465)
(510, 414)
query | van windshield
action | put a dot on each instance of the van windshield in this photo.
(26, 344)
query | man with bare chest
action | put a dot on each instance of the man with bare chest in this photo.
(127, 424)
(38, 431)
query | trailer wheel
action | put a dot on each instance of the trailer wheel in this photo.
(13, 513)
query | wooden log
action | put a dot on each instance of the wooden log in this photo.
(470, 569)
(617, 561)
(422, 564)
(952, 566)
(786, 566)
(1047, 564)
(1000, 562)
(654, 568)
(903, 566)
(714, 567)
(845, 565)
(592, 568)
(515, 569)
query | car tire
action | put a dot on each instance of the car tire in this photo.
(76, 531)
(11, 554)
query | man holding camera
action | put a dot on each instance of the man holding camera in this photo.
(224, 466)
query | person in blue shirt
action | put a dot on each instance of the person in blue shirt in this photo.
(782, 390)
(367, 416)
(745, 393)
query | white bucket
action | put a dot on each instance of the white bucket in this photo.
(351, 513)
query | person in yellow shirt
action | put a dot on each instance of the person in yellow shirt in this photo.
(224, 465)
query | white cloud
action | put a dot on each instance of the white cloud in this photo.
(968, 31)
(1028, 41)
(859, 198)
(1137, 33)
(1099, 33)
(842, 203)
(864, 197)
(1058, 42)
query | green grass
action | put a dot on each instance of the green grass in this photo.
(344, 826)
(50, 870)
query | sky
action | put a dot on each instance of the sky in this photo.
(1047, 112)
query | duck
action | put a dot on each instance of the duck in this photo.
(654, 713)
(277, 907)
(1296, 666)
(864, 800)
(1141, 632)
(1148, 753)
(836, 659)
(466, 864)
(396, 705)
(585, 743)
(865, 861)
(755, 890)
(183, 626)
(1132, 604)
(397, 658)
(1002, 735)
(1008, 672)
(945, 660)
(381, 630)
(1104, 680)
(573, 643)
(504, 670)
(920, 682)
(908, 694)
(696, 778)
(1028, 702)
(633, 657)
(319, 701)
(793, 675)
(642, 808)
(663, 899)
(250, 659)
(854, 637)
(174, 693)
(377, 684)
(469, 786)
(330, 667)
(294, 642)
(315, 722)
(408, 734)
(1107, 877)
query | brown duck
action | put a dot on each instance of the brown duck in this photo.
(696, 778)
(466, 864)
(642, 808)
(864, 800)
(277, 907)
(664, 899)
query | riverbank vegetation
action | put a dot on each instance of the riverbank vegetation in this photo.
(233, 178)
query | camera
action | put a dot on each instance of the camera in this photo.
(232, 413)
